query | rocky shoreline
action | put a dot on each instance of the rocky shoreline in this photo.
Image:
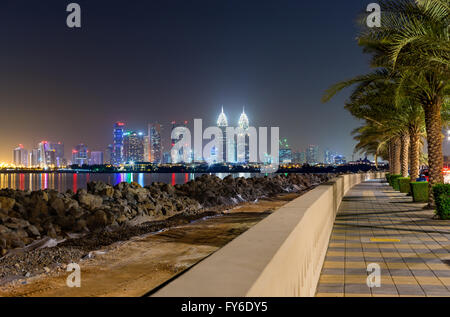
(27, 217)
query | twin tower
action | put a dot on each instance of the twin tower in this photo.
(230, 153)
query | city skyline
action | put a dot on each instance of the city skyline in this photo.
(146, 62)
(158, 61)
(133, 145)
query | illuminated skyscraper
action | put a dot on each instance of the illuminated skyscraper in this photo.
(312, 155)
(328, 157)
(146, 148)
(20, 156)
(96, 158)
(34, 158)
(108, 154)
(242, 149)
(133, 147)
(47, 156)
(285, 151)
(118, 133)
(59, 153)
(80, 155)
(222, 123)
(155, 142)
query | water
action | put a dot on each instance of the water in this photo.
(65, 181)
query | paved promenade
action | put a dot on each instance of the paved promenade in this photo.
(375, 224)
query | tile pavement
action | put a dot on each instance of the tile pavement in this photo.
(375, 224)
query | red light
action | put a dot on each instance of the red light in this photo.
(121, 124)
(185, 122)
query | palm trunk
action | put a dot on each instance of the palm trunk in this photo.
(396, 156)
(404, 154)
(376, 160)
(391, 157)
(414, 153)
(434, 140)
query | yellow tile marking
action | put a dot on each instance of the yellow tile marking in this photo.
(384, 240)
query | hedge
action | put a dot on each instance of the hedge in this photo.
(441, 194)
(419, 191)
(388, 175)
(403, 184)
(394, 181)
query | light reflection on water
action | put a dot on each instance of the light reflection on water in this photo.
(64, 181)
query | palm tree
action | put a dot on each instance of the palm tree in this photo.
(412, 46)
(415, 40)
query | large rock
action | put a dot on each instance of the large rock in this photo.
(90, 201)
(7, 203)
(98, 220)
(58, 205)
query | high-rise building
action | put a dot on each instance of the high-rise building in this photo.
(20, 156)
(59, 153)
(167, 158)
(118, 135)
(34, 158)
(96, 158)
(227, 148)
(47, 156)
(312, 154)
(285, 151)
(243, 149)
(80, 155)
(109, 154)
(155, 143)
(328, 157)
(146, 148)
(133, 147)
(339, 160)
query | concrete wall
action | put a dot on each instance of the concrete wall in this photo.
(280, 256)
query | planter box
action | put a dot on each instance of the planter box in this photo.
(403, 184)
(419, 191)
(394, 181)
(441, 193)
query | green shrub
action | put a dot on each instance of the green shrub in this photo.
(403, 184)
(388, 175)
(441, 194)
(394, 181)
(419, 191)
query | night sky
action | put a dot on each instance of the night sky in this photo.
(145, 61)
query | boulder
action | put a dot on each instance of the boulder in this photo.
(97, 220)
(7, 203)
(90, 201)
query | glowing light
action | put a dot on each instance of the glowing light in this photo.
(222, 120)
(243, 121)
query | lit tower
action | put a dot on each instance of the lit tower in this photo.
(222, 123)
(117, 153)
(243, 156)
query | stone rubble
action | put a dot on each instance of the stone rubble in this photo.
(27, 216)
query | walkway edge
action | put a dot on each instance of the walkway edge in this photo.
(280, 256)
